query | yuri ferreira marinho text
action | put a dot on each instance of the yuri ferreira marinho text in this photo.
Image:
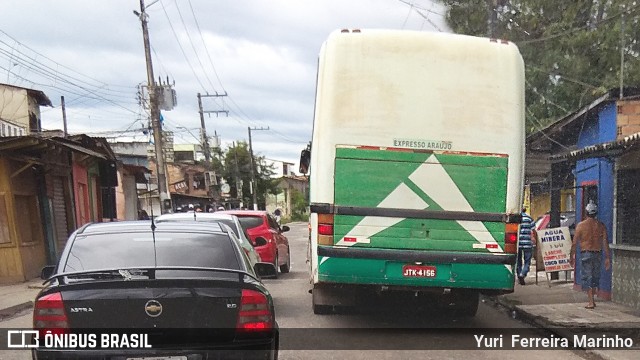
(579, 341)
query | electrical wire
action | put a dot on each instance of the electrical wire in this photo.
(580, 28)
(181, 48)
(193, 47)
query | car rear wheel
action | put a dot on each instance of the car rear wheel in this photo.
(275, 263)
(284, 268)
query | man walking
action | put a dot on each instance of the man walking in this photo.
(591, 234)
(525, 247)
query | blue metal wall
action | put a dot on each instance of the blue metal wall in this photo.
(598, 170)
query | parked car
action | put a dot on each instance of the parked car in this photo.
(567, 218)
(188, 286)
(227, 219)
(261, 224)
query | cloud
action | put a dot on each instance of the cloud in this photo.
(264, 55)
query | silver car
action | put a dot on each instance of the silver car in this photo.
(226, 219)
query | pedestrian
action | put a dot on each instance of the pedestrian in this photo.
(191, 208)
(525, 247)
(591, 236)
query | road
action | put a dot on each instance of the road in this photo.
(399, 332)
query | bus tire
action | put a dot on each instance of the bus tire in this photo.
(466, 304)
(320, 309)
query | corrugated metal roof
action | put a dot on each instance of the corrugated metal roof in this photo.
(612, 148)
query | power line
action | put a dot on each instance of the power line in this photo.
(60, 65)
(204, 44)
(580, 28)
(181, 48)
(193, 47)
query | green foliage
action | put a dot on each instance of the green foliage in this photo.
(237, 166)
(299, 204)
(571, 49)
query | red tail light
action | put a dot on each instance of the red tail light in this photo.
(511, 238)
(255, 314)
(49, 314)
(325, 229)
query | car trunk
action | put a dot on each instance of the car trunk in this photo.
(177, 307)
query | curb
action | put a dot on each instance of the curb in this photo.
(13, 310)
(540, 323)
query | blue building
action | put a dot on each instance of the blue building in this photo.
(598, 148)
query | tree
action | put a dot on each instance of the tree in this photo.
(237, 166)
(298, 205)
(571, 49)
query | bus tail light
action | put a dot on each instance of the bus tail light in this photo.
(511, 238)
(325, 229)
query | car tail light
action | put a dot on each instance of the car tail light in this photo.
(49, 314)
(255, 313)
(325, 229)
(511, 238)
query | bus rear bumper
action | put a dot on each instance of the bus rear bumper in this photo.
(485, 272)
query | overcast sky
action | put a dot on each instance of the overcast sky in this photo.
(263, 53)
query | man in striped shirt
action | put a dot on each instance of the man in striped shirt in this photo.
(525, 247)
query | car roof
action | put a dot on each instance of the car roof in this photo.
(145, 225)
(196, 216)
(245, 212)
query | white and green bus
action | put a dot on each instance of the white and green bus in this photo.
(415, 166)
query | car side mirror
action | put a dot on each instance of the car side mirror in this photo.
(265, 269)
(285, 228)
(260, 241)
(47, 272)
(305, 158)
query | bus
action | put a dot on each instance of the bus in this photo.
(415, 167)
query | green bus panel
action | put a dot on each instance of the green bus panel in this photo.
(383, 272)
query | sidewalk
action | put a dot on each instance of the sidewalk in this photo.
(17, 298)
(561, 310)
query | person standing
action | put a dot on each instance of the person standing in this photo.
(591, 234)
(525, 247)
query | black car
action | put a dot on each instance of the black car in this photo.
(173, 290)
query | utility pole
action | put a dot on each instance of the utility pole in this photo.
(253, 172)
(237, 172)
(155, 114)
(64, 116)
(203, 131)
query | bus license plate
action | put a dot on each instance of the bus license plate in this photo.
(419, 271)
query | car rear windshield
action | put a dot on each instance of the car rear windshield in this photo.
(249, 222)
(227, 222)
(122, 250)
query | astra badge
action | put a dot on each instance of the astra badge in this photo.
(153, 308)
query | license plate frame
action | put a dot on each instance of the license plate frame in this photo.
(419, 271)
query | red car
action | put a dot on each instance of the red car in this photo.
(259, 223)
